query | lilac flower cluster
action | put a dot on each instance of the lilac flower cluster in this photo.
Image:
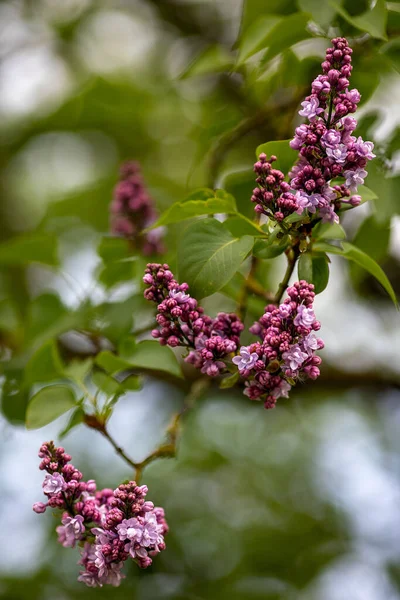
(111, 526)
(273, 198)
(286, 353)
(182, 322)
(132, 211)
(327, 149)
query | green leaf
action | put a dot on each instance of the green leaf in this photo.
(392, 51)
(286, 156)
(314, 269)
(131, 383)
(240, 225)
(241, 184)
(114, 319)
(44, 365)
(214, 59)
(106, 383)
(117, 272)
(78, 370)
(373, 237)
(286, 33)
(48, 404)
(350, 252)
(217, 202)
(149, 355)
(77, 418)
(328, 231)
(28, 248)
(113, 249)
(254, 39)
(320, 10)
(272, 247)
(111, 363)
(228, 382)
(373, 21)
(145, 356)
(209, 255)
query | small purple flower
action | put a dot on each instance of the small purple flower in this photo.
(294, 357)
(354, 96)
(311, 343)
(310, 202)
(70, 530)
(212, 368)
(331, 138)
(321, 85)
(282, 390)
(179, 296)
(246, 360)
(285, 311)
(355, 178)
(364, 149)
(310, 108)
(328, 214)
(305, 316)
(337, 154)
(53, 484)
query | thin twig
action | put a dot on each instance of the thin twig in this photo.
(167, 450)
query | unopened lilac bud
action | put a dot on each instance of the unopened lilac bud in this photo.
(39, 507)
(355, 200)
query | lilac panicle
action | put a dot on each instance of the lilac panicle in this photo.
(110, 525)
(132, 211)
(327, 150)
(285, 353)
(182, 322)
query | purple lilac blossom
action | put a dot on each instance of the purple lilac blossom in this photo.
(286, 350)
(182, 322)
(132, 211)
(94, 519)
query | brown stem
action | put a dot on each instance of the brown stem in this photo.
(167, 450)
(292, 255)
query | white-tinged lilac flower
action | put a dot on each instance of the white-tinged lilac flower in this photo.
(179, 296)
(90, 579)
(246, 360)
(53, 484)
(70, 530)
(305, 317)
(331, 138)
(338, 154)
(364, 149)
(311, 343)
(282, 390)
(294, 357)
(355, 178)
(310, 108)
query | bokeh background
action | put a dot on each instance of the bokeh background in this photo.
(302, 502)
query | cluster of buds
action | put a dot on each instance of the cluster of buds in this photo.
(182, 322)
(110, 525)
(132, 211)
(286, 353)
(326, 146)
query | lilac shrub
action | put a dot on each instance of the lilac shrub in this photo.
(331, 162)
(110, 526)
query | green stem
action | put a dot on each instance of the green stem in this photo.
(292, 255)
